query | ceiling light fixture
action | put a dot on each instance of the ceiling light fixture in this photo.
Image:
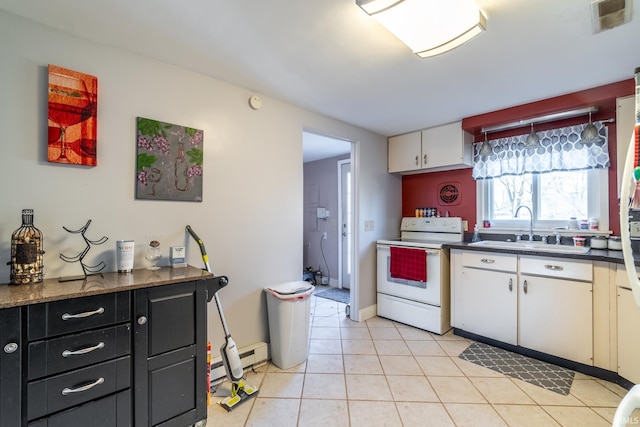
(533, 140)
(428, 27)
(589, 133)
(485, 148)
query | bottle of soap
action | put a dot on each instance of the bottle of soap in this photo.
(476, 234)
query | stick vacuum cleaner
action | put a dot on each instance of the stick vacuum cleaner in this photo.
(229, 351)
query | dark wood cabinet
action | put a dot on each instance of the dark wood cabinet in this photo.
(132, 355)
(11, 392)
(78, 357)
(170, 337)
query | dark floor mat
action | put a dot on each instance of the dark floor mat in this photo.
(335, 294)
(542, 374)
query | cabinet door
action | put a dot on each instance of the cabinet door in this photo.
(404, 152)
(489, 304)
(556, 317)
(446, 146)
(628, 338)
(170, 348)
(11, 351)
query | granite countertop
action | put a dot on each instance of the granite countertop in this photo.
(53, 289)
(605, 255)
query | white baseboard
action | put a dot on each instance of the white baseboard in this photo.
(251, 356)
(368, 312)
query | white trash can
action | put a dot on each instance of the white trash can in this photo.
(288, 306)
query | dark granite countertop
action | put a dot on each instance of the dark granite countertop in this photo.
(53, 289)
(593, 254)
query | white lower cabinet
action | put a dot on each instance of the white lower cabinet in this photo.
(556, 317)
(628, 322)
(538, 303)
(628, 337)
(490, 304)
(489, 296)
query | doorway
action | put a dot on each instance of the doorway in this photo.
(345, 197)
(328, 209)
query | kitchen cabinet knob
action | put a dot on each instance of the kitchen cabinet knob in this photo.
(10, 348)
(417, 160)
(524, 286)
(510, 285)
(424, 159)
(142, 320)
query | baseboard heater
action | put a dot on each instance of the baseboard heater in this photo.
(251, 356)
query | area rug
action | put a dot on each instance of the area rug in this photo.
(542, 374)
(335, 294)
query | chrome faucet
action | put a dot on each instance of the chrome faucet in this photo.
(530, 220)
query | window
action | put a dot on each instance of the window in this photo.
(553, 197)
(563, 177)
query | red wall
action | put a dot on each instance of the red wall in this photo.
(421, 191)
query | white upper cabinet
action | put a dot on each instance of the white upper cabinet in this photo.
(439, 148)
(625, 122)
(405, 152)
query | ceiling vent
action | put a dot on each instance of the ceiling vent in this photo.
(608, 14)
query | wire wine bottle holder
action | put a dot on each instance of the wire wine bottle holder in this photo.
(89, 270)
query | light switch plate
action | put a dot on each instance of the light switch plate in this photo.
(465, 225)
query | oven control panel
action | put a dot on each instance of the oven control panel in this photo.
(432, 224)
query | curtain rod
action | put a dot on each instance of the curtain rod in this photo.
(541, 119)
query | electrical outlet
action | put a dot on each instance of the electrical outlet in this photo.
(465, 225)
(324, 235)
(634, 229)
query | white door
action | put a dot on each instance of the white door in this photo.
(345, 226)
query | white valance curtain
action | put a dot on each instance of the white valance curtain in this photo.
(560, 150)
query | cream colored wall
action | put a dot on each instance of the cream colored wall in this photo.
(251, 215)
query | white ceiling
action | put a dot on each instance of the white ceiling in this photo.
(330, 57)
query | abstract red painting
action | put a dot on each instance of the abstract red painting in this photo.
(73, 106)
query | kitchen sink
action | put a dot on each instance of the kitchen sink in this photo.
(531, 246)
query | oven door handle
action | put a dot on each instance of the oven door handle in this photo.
(427, 250)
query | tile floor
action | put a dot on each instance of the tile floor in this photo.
(382, 373)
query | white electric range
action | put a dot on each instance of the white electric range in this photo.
(423, 304)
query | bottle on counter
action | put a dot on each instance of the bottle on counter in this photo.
(26, 252)
(476, 234)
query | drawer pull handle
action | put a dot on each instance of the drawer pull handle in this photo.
(510, 285)
(553, 267)
(66, 391)
(68, 316)
(68, 353)
(487, 260)
(525, 287)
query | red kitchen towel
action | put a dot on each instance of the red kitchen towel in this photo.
(408, 264)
